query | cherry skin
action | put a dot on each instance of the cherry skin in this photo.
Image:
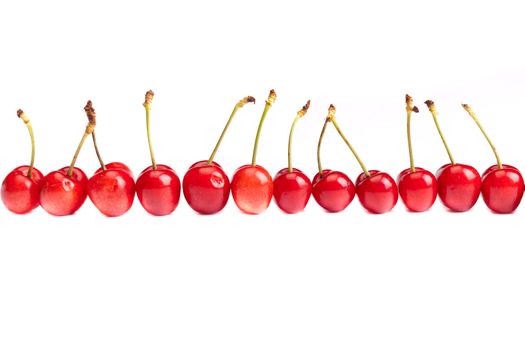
(61, 194)
(459, 186)
(252, 189)
(291, 190)
(334, 191)
(158, 190)
(502, 189)
(112, 190)
(20, 193)
(377, 193)
(206, 187)
(418, 190)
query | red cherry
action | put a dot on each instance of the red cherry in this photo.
(252, 189)
(334, 191)
(252, 185)
(418, 190)
(417, 186)
(20, 193)
(377, 193)
(291, 190)
(206, 187)
(459, 186)
(158, 190)
(158, 186)
(62, 194)
(112, 190)
(502, 189)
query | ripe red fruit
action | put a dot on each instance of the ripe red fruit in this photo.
(205, 185)
(291, 187)
(333, 191)
(158, 186)
(112, 187)
(64, 191)
(252, 185)
(501, 185)
(21, 187)
(459, 185)
(417, 186)
(377, 191)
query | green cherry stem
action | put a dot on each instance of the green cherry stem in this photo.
(299, 115)
(146, 104)
(334, 122)
(323, 130)
(240, 104)
(476, 120)
(410, 108)
(89, 130)
(432, 108)
(269, 102)
(27, 122)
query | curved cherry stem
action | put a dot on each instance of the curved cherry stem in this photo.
(410, 108)
(240, 104)
(432, 108)
(323, 130)
(476, 120)
(27, 122)
(90, 128)
(146, 104)
(299, 115)
(102, 165)
(269, 102)
(334, 122)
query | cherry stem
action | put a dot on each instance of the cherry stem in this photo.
(326, 121)
(410, 108)
(473, 115)
(90, 128)
(146, 104)
(240, 104)
(334, 122)
(27, 122)
(269, 102)
(432, 108)
(102, 165)
(299, 115)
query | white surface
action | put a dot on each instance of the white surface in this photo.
(231, 281)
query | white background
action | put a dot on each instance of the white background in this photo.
(314, 280)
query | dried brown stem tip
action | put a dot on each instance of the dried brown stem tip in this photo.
(149, 98)
(21, 114)
(303, 110)
(466, 106)
(90, 112)
(247, 99)
(271, 97)
(410, 104)
(331, 113)
(430, 105)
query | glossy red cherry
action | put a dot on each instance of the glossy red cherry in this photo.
(63, 194)
(417, 186)
(252, 189)
(502, 189)
(21, 188)
(459, 186)
(158, 186)
(501, 185)
(112, 191)
(205, 185)
(252, 185)
(334, 191)
(292, 188)
(21, 193)
(378, 192)
(418, 190)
